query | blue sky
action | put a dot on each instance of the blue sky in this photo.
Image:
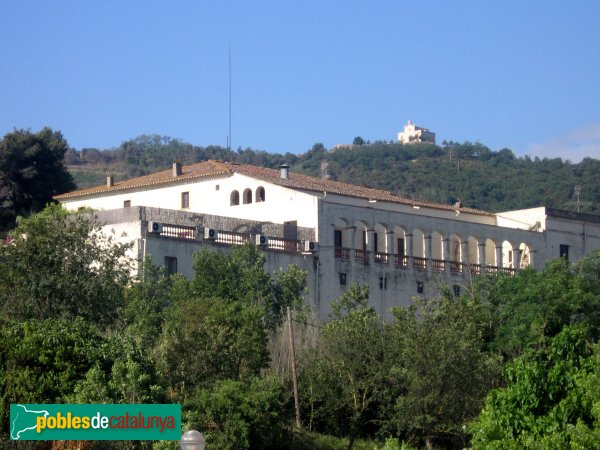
(522, 75)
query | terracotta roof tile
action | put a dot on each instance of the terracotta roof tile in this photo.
(210, 169)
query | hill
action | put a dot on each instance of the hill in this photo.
(479, 177)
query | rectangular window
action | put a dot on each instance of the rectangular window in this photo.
(127, 204)
(337, 238)
(185, 199)
(375, 249)
(170, 265)
(564, 251)
(217, 187)
(420, 287)
(342, 279)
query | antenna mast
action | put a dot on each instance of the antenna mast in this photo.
(229, 136)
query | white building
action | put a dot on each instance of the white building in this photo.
(413, 133)
(339, 233)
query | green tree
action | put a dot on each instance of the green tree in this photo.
(343, 377)
(31, 172)
(228, 339)
(439, 370)
(240, 275)
(242, 414)
(145, 303)
(61, 265)
(520, 311)
(552, 399)
(358, 141)
(41, 360)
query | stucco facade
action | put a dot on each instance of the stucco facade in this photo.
(400, 247)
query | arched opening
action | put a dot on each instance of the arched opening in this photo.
(399, 241)
(455, 253)
(260, 194)
(490, 253)
(437, 249)
(418, 243)
(361, 238)
(507, 254)
(380, 238)
(234, 198)
(419, 249)
(526, 256)
(247, 196)
(472, 250)
(342, 238)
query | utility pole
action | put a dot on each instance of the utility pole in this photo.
(293, 363)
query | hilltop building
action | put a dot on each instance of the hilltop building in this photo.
(339, 233)
(413, 133)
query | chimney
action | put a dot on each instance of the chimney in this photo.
(110, 180)
(177, 168)
(285, 171)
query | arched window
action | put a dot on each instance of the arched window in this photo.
(234, 198)
(247, 196)
(260, 194)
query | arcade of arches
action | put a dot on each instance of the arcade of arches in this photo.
(423, 249)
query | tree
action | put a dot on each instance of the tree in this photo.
(240, 275)
(60, 265)
(439, 370)
(31, 172)
(344, 376)
(552, 398)
(228, 339)
(41, 360)
(523, 310)
(242, 414)
(358, 141)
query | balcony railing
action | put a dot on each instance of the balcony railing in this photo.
(178, 232)
(283, 245)
(475, 269)
(455, 267)
(438, 265)
(342, 253)
(382, 258)
(232, 238)
(401, 261)
(508, 271)
(419, 263)
(361, 256)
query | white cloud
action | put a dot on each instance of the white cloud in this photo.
(573, 146)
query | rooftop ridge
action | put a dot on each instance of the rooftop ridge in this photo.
(215, 168)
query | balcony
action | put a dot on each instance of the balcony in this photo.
(342, 253)
(361, 256)
(419, 263)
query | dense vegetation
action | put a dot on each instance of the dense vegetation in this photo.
(479, 177)
(512, 363)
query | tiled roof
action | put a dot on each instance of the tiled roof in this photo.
(211, 169)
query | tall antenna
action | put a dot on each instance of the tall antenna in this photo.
(229, 138)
